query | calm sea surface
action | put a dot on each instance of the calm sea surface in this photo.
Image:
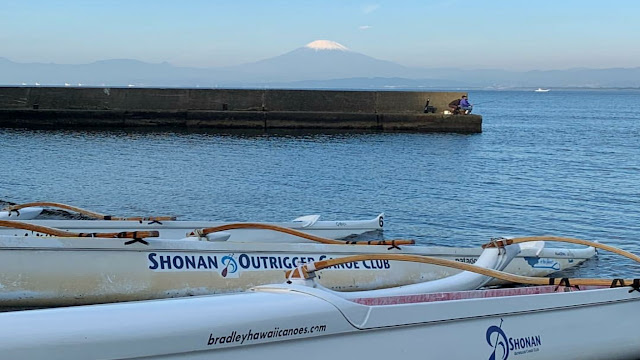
(563, 163)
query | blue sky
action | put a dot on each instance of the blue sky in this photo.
(504, 34)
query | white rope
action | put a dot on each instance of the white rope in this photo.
(200, 234)
(290, 276)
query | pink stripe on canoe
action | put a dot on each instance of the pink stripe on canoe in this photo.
(472, 294)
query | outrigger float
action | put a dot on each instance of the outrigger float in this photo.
(64, 268)
(554, 319)
(26, 213)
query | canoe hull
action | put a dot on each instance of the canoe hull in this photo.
(179, 229)
(51, 271)
(275, 323)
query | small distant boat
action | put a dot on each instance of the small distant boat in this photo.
(541, 90)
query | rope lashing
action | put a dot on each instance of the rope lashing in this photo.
(199, 233)
(17, 211)
(617, 283)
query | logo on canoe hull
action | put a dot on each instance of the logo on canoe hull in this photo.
(503, 346)
(542, 263)
(230, 267)
(500, 345)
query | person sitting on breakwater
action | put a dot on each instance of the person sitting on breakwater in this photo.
(454, 106)
(465, 105)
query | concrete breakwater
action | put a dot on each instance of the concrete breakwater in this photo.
(64, 107)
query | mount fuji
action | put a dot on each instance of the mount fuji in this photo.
(320, 60)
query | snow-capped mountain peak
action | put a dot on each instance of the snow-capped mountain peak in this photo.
(326, 45)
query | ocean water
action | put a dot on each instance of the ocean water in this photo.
(564, 163)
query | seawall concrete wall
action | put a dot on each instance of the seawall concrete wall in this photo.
(230, 108)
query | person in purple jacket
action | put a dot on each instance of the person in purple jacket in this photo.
(465, 105)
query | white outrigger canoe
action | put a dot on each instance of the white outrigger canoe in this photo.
(55, 271)
(170, 228)
(178, 229)
(306, 319)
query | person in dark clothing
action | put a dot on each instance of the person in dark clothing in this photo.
(454, 106)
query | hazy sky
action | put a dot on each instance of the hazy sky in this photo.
(507, 34)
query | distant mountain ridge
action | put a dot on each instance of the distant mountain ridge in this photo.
(319, 64)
